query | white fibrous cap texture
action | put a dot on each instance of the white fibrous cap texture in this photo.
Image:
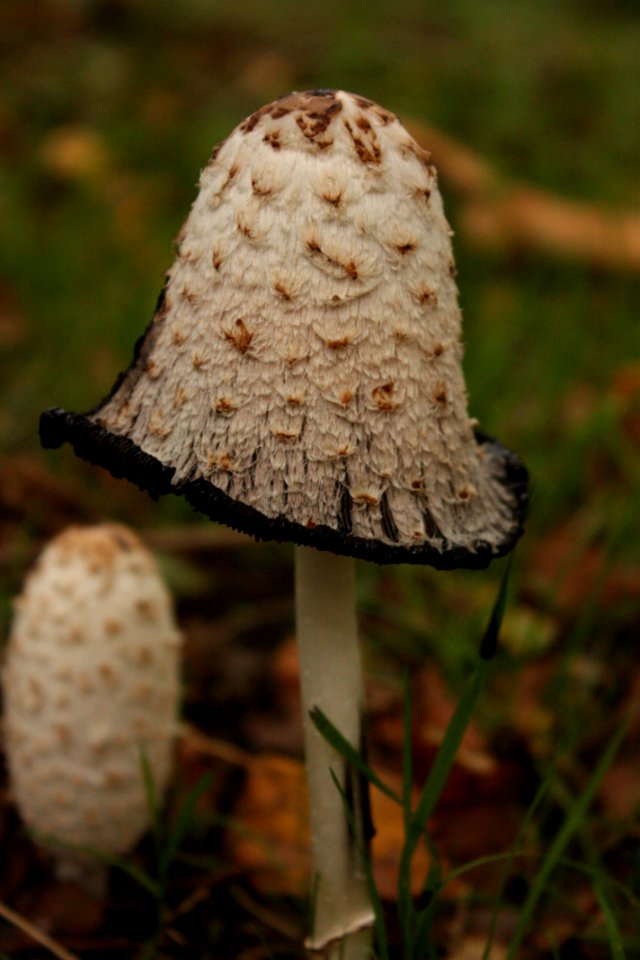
(306, 357)
(90, 686)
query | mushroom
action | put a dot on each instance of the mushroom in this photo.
(90, 690)
(301, 380)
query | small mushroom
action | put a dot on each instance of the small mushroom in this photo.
(332, 283)
(90, 688)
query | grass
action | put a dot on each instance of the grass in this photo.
(416, 919)
(416, 913)
(545, 91)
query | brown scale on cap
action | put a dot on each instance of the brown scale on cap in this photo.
(427, 295)
(286, 436)
(384, 398)
(340, 343)
(222, 461)
(365, 498)
(224, 406)
(158, 426)
(440, 395)
(231, 175)
(180, 397)
(189, 295)
(272, 138)
(348, 266)
(334, 198)
(465, 494)
(240, 336)
(178, 336)
(318, 107)
(367, 146)
(260, 189)
(245, 229)
(282, 290)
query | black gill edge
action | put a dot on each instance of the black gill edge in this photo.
(123, 458)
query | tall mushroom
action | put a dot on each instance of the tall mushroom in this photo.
(301, 380)
(91, 681)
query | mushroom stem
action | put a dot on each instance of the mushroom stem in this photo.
(331, 679)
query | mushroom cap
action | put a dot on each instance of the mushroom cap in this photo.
(90, 683)
(301, 379)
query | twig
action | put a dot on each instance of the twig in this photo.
(35, 933)
(198, 742)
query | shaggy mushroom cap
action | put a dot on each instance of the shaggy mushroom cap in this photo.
(90, 682)
(301, 379)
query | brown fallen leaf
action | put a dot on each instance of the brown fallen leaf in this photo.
(525, 218)
(620, 789)
(269, 837)
(575, 915)
(475, 769)
(75, 152)
(625, 389)
(526, 711)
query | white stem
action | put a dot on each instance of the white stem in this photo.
(331, 678)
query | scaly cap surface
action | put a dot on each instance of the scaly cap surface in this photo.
(302, 376)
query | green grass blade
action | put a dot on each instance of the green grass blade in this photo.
(407, 753)
(339, 743)
(446, 754)
(183, 820)
(378, 912)
(613, 930)
(489, 643)
(153, 802)
(434, 785)
(570, 827)
(423, 945)
(526, 820)
(442, 764)
(598, 878)
(405, 902)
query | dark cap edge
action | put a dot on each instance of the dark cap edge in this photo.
(124, 459)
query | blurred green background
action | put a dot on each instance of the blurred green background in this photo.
(108, 111)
